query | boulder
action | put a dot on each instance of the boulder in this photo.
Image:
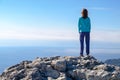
(50, 72)
(59, 65)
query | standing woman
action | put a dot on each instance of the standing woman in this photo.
(84, 28)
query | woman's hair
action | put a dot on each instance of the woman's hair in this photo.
(84, 13)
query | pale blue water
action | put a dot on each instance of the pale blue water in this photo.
(12, 55)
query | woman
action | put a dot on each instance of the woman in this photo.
(84, 28)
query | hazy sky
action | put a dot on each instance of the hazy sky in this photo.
(26, 21)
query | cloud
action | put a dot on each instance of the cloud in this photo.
(56, 34)
(99, 8)
(37, 34)
(106, 36)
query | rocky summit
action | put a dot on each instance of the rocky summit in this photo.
(62, 68)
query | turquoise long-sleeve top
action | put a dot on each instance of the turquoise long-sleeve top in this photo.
(84, 25)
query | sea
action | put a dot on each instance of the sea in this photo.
(13, 55)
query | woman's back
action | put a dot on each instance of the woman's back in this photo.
(84, 24)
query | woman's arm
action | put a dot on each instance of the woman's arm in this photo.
(90, 24)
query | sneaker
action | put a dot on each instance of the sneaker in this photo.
(81, 55)
(87, 54)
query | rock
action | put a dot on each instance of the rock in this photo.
(33, 74)
(50, 78)
(62, 68)
(105, 67)
(59, 65)
(62, 76)
(54, 58)
(71, 74)
(52, 73)
(80, 75)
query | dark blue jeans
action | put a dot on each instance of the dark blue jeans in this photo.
(85, 36)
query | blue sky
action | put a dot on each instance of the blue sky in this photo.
(35, 22)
